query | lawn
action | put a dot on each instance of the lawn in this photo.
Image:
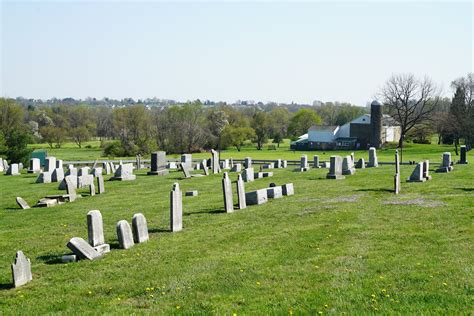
(336, 246)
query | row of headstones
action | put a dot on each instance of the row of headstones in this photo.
(3, 165)
(348, 163)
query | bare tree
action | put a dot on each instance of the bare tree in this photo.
(410, 101)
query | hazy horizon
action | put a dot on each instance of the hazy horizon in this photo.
(281, 52)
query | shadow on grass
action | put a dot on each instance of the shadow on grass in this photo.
(158, 230)
(462, 189)
(375, 190)
(50, 259)
(6, 286)
(208, 211)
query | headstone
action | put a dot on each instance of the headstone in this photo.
(258, 175)
(71, 171)
(275, 192)
(227, 191)
(360, 164)
(248, 175)
(97, 171)
(124, 173)
(396, 183)
(112, 167)
(241, 192)
(373, 162)
(231, 161)
(58, 175)
(247, 163)
(397, 162)
(187, 160)
(225, 164)
(59, 164)
(85, 181)
(204, 168)
(124, 234)
(106, 167)
(417, 174)
(92, 189)
(34, 165)
(463, 158)
(353, 157)
(21, 270)
(304, 163)
(100, 184)
(44, 177)
(335, 170)
(268, 166)
(68, 258)
(446, 163)
(138, 161)
(82, 249)
(95, 228)
(22, 203)
(172, 165)
(140, 228)
(176, 209)
(47, 202)
(191, 193)
(288, 189)
(158, 164)
(84, 171)
(13, 170)
(267, 174)
(1, 165)
(348, 166)
(426, 170)
(316, 161)
(256, 197)
(284, 164)
(215, 162)
(277, 163)
(49, 164)
(71, 187)
(185, 170)
(236, 168)
(5, 164)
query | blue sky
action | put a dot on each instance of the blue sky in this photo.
(262, 51)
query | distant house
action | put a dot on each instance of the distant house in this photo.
(358, 133)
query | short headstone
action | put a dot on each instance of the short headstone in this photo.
(34, 165)
(185, 171)
(172, 165)
(227, 192)
(275, 192)
(284, 163)
(335, 170)
(97, 171)
(176, 209)
(59, 163)
(49, 164)
(426, 170)
(68, 258)
(95, 228)
(316, 161)
(248, 175)
(268, 166)
(140, 228)
(258, 175)
(21, 270)
(158, 164)
(241, 192)
(373, 161)
(360, 164)
(247, 163)
(83, 171)
(13, 170)
(445, 164)
(44, 177)
(58, 175)
(463, 158)
(106, 167)
(92, 189)
(124, 235)
(225, 164)
(85, 181)
(191, 193)
(22, 203)
(277, 163)
(304, 162)
(417, 174)
(71, 171)
(256, 197)
(124, 173)
(288, 189)
(236, 168)
(71, 188)
(347, 166)
(187, 160)
(100, 184)
(82, 249)
(267, 174)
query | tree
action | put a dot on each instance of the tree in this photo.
(236, 136)
(262, 125)
(217, 121)
(17, 150)
(280, 119)
(302, 121)
(53, 135)
(11, 116)
(410, 101)
(462, 110)
(80, 135)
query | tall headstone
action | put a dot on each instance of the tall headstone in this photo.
(59, 163)
(82, 249)
(34, 165)
(138, 161)
(463, 158)
(347, 166)
(176, 209)
(397, 162)
(376, 124)
(316, 161)
(446, 163)
(426, 170)
(71, 188)
(124, 235)
(417, 174)
(373, 161)
(158, 164)
(304, 162)
(44, 177)
(21, 270)
(396, 183)
(335, 169)
(100, 184)
(95, 228)
(241, 192)
(49, 164)
(1, 165)
(92, 189)
(248, 175)
(215, 162)
(247, 162)
(124, 173)
(13, 170)
(204, 168)
(58, 175)
(140, 228)
(187, 160)
(227, 191)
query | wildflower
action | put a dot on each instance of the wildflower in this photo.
(118, 298)
(258, 283)
(151, 295)
(90, 292)
(178, 307)
(241, 270)
(445, 284)
(290, 312)
(317, 267)
(162, 293)
(326, 305)
(384, 290)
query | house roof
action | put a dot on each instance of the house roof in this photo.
(325, 128)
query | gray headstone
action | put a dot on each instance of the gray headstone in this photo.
(275, 192)
(187, 160)
(426, 170)
(204, 168)
(225, 164)
(1, 165)
(71, 171)
(82, 249)
(83, 171)
(158, 164)
(397, 162)
(71, 187)
(227, 191)
(44, 177)
(124, 173)
(236, 168)
(58, 175)
(267, 174)
(47, 202)
(59, 164)
(124, 235)
(97, 171)
(106, 167)
(176, 209)
(13, 170)
(215, 162)
(446, 163)
(304, 162)
(85, 181)
(256, 197)
(140, 228)
(92, 189)
(34, 165)
(191, 193)
(360, 164)
(288, 189)
(284, 163)
(49, 164)
(21, 270)
(316, 161)
(348, 166)
(100, 184)
(185, 171)
(248, 175)
(241, 192)
(95, 228)
(463, 158)
(22, 203)
(396, 183)
(373, 161)
(247, 163)
(335, 169)
(68, 258)
(417, 174)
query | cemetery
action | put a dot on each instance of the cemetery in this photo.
(255, 237)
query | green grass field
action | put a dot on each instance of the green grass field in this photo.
(348, 246)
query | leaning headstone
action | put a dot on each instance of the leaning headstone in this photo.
(360, 164)
(71, 187)
(124, 173)
(335, 169)
(100, 184)
(22, 203)
(275, 192)
(446, 163)
(140, 228)
(5, 164)
(215, 162)
(373, 161)
(58, 175)
(204, 168)
(13, 170)
(21, 270)
(34, 165)
(347, 166)
(417, 174)
(247, 162)
(176, 209)
(426, 170)
(187, 160)
(158, 164)
(82, 249)
(463, 158)
(248, 175)
(316, 161)
(95, 228)
(124, 235)
(44, 177)
(287, 189)
(227, 191)
(241, 192)
(353, 157)
(112, 167)
(106, 167)
(256, 197)
(185, 170)
(49, 164)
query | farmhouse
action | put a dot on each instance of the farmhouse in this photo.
(368, 130)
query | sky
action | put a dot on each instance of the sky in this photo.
(228, 51)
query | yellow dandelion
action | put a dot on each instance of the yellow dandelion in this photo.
(162, 293)
(445, 284)
(235, 314)
(151, 295)
(373, 295)
(384, 290)
(326, 305)
(290, 312)
(118, 298)
(90, 292)
(241, 270)
(178, 307)
(258, 283)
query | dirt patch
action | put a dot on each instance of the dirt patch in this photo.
(315, 209)
(419, 201)
(350, 199)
